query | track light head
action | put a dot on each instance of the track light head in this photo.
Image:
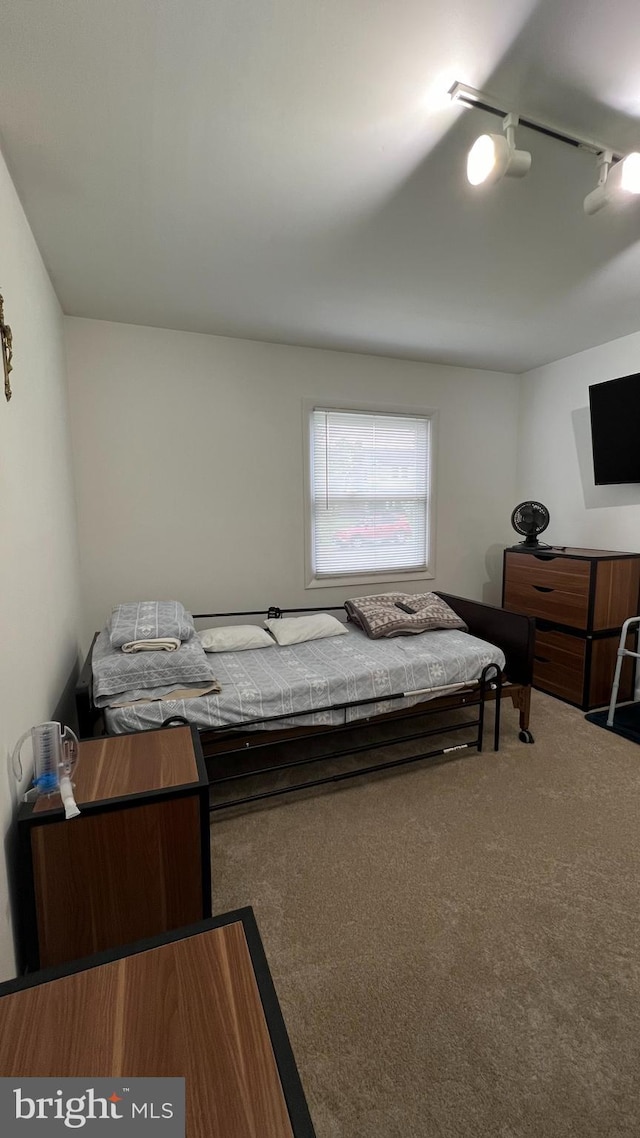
(615, 183)
(493, 156)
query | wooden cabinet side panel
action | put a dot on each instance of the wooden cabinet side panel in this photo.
(617, 593)
(106, 879)
(603, 664)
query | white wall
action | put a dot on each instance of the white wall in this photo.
(555, 462)
(39, 597)
(188, 453)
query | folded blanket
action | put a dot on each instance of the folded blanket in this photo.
(152, 695)
(381, 615)
(149, 620)
(160, 644)
(115, 671)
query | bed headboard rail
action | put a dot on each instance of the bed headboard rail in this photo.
(513, 632)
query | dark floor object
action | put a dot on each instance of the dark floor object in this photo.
(626, 721)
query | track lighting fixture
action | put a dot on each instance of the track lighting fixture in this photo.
(615, 182)
(493, 156)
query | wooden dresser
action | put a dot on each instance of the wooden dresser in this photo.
(579, 598)
(135, 863)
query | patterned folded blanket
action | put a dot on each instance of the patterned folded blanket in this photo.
(115, 671)
(380, 615)
(137, 696)
(149, 620)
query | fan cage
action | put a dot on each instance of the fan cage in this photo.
(530, 519)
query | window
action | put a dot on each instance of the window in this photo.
(370, 494)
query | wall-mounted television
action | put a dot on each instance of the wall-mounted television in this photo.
(615, 430)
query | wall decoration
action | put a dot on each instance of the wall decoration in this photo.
(6, 340)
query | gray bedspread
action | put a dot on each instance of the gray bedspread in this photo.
(308, 677)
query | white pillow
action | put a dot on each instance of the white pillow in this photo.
(235, 638)
(297, 629)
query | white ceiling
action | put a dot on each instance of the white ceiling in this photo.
(275, 169)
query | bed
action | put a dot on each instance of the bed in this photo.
(315, 700)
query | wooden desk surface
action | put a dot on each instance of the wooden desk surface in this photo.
(120, 765)
(191, 1007)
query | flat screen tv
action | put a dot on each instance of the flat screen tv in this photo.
(615, 430)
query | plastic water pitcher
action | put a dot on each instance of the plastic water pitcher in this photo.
(55, 754)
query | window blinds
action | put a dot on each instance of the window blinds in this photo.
(369, 492)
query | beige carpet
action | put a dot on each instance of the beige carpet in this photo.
(456, 947)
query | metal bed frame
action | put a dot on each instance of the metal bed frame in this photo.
(511, 632)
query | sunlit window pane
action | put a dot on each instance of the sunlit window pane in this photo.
(370, 492)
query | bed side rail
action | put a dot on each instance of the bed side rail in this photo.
(513, 632)
(272, 612)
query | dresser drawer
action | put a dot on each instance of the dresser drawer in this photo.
(559, 664)
(555, 589)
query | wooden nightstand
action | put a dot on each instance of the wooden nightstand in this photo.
(134, 864)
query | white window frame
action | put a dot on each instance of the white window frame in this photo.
(382, 575)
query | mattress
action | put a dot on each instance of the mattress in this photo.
(300, 683)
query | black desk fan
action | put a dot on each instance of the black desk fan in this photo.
(530, 519)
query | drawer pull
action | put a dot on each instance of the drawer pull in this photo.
(542, 659)
(544, 588)
(545, 556)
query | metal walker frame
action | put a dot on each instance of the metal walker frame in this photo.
(622, 652)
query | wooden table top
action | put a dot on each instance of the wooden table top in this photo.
(191, 1007)
(120, 765)
(544, 550)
